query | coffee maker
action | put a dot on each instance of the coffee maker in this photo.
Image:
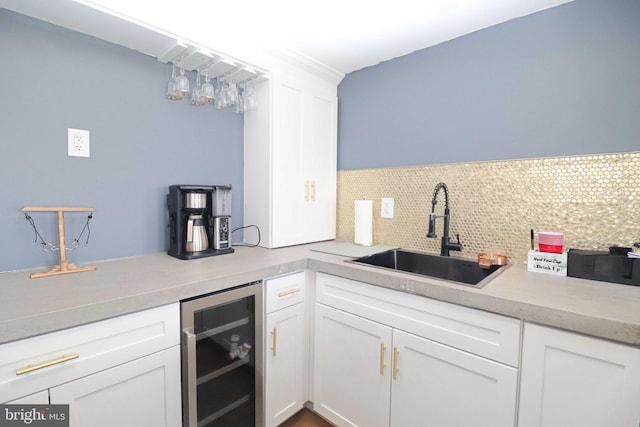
(199, 220)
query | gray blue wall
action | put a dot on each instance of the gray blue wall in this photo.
(564, 81)
(53, 79)
(560, 82)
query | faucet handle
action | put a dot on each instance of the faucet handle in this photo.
(432, 226)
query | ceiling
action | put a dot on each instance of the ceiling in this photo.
(344, 35)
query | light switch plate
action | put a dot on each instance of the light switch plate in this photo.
(78, 142)
(386, 210)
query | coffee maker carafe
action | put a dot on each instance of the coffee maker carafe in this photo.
(197, 239)
(199, 220)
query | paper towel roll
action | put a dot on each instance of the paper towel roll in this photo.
(363, 234)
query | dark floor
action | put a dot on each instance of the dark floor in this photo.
(305, 418)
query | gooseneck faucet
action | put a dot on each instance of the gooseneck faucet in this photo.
(447, 245)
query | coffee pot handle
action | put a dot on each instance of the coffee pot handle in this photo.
(190, 230)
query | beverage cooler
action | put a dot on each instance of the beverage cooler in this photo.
(222, 358)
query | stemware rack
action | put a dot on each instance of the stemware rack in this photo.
(194, 58)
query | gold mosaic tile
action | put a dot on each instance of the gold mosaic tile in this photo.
(593, 199)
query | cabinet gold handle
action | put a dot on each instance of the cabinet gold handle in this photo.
(273, 349)
(313, 190)
(306, 191)
(396, 352)
(382, 364)
(59, 360)
(288, 292)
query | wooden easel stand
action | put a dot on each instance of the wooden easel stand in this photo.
(63, 267)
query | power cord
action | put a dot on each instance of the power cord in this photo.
(247, 244)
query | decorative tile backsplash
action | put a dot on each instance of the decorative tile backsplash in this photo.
(593, 199)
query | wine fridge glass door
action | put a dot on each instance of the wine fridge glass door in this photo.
(222, 358)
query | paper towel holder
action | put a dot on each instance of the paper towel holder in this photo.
(364, 226)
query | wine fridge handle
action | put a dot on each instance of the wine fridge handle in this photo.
(191, 388)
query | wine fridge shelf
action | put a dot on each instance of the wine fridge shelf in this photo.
(238, 387)
(224, 411)
(223, 328)
(218, 372)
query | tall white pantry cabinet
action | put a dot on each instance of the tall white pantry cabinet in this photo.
(290, 144)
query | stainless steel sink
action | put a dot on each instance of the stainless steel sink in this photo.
(458, 270)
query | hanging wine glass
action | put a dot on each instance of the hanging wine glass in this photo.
(220, 95)
(238, 107)
(196, 93)
(249, 97)
(183, 83)
(232, 90)
(172, 88)
(207, 91)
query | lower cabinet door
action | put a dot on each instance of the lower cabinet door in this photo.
(570, 379)
(436, 385)
(351, 369)
(142, 393)
(284, 360)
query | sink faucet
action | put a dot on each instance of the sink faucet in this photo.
(447, 245)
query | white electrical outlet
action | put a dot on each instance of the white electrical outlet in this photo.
(78, 142)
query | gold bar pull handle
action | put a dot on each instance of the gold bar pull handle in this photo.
(306, 191)
(273, 348)
(57, 361)
(396, 352)
(383, 365)
(288, 292)
(313, 190)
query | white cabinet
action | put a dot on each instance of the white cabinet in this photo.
(285, 346)
(573, 380)
(290, 167)
(143, 392)
(129, 365)
(368, 371)
(351, 369)
(437, 385)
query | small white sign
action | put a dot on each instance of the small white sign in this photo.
(386, 210)
(548, 263)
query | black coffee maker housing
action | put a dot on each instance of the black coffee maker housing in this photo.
(186, 202)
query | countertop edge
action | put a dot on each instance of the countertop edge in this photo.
(502, 296)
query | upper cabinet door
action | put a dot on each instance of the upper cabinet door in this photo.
(290, 160)
(569, 379)
(288, 191)
(320, 164)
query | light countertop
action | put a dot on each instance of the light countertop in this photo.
(31, 307)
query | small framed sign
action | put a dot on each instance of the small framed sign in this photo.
(548, 263)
